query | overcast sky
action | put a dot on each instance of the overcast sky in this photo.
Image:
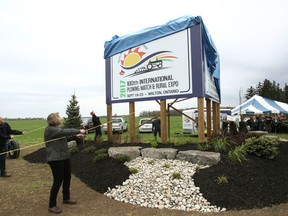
(52, 49)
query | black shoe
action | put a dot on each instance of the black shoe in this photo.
(5, 175)
(55, 210)
(70, 201)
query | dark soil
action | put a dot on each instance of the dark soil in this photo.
(256, 183)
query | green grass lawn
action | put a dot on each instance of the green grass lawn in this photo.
(33, 128)
(35, 132)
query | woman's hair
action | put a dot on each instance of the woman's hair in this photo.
(54, 119)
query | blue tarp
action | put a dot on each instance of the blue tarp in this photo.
(120, 44)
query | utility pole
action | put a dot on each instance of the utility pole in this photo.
(240, 102)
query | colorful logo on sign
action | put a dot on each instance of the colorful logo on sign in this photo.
(136, 61)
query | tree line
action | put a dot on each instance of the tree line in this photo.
(267, 89)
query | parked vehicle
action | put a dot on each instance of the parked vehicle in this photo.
(191, 127)
(118, 125)
(87, 124)
(145, 125)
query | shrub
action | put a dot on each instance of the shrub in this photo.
(90, 149)
(169, 141)
(102, 151)
(101, 154)
(123, 158)
(100, 157)
(238, 155)
(219, 144)
(203, 146)
(222, 179)
(176, 175)
(154, 143)
(262, 147)
(166, 165)
(133, 170)
(73, 150)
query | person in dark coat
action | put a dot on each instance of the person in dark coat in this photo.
(5, 136)
(97, 125)
(58, 158)
(156, 125)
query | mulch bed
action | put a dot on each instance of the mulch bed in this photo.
(256, 183)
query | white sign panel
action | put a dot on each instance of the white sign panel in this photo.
(160, 68)
(210, 86)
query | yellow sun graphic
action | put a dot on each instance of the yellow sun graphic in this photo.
(132, 57)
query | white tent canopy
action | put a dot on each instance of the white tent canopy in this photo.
(260, 105)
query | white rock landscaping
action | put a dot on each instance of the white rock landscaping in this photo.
(162, 183)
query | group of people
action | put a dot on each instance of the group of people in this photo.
(269, 122)
(58, 156)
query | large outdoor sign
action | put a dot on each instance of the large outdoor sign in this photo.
(158, 68)
(176, 60)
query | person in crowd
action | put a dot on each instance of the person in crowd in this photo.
(249, 124)
(58, 158)
(156, 126)
(281, 119)
(268, 122)
(5, 136)
(97, 125)
(261, 122)
(273, 129)
(276, 124)
(254, 123)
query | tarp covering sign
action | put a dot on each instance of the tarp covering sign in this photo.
(260, 105)
(175, 60)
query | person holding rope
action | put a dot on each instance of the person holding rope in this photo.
(97, 125)
(5, 136)
(58, 158)
(156, 126)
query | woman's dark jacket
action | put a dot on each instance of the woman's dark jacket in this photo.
(56, 142)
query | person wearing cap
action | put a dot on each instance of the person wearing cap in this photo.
(97, 125)
(5, 136)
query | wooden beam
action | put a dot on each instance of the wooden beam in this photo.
(109, 123)
(218, 118)
(201, 120)
(209, 118)
(163, 121)
(132, 122)
(168, 123)
(214, 111)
